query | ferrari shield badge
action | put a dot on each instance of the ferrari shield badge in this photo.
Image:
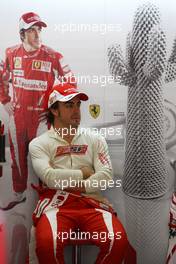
(94, 110)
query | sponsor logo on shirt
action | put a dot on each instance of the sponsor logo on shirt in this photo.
(18, 72)
(103, 159)
(44, 66)
(74, 149)
(31, 85)
(17, 62)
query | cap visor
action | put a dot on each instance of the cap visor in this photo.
(82, 97)
(41, 23)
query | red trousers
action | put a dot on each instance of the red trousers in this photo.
(23, 127)
(56, 227)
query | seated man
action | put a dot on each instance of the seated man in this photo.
(71, 166)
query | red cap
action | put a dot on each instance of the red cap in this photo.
(29, 19)
(63, 93)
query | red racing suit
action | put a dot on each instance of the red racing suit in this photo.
(32, 75)
(59, 213)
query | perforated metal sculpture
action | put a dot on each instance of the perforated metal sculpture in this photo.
(145, 175)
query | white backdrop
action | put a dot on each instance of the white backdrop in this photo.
(85, 51)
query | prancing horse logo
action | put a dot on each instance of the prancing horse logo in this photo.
(94, 110)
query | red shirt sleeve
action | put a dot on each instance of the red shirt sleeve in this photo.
(65, 75)
(4, 82)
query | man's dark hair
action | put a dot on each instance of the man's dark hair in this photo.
(50, 116)
(22, 34)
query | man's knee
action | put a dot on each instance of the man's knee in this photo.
(44, 242)
(115, 241)
(120, 241)
(45, 237)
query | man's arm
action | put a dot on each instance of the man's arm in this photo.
(51, 177)
(87, 172)
(99, 177)
(5, 98)
(1, 81)
(63, 72)
(102, 167)
(4, 84)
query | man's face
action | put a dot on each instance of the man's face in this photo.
(69, 113)
(32, 36)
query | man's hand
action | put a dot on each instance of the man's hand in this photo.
(9, 108)
(87, 172)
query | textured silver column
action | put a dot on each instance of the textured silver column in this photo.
(145, 180)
